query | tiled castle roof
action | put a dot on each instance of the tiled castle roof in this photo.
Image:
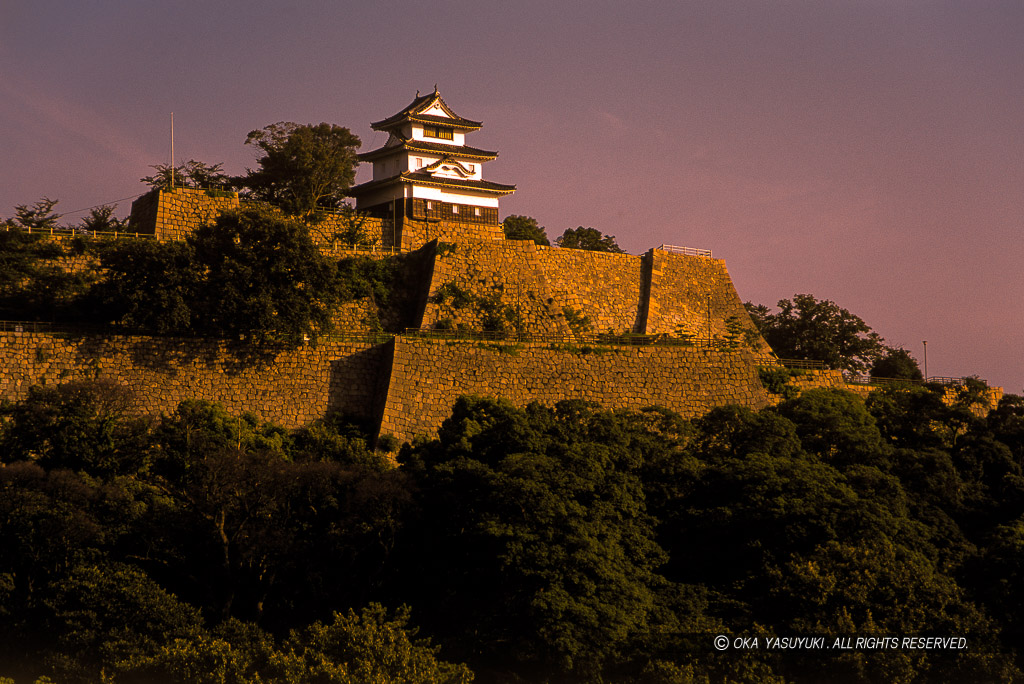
(427, 179)
(430, 148)
(413, 113)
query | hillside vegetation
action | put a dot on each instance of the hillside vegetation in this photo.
(562, 544)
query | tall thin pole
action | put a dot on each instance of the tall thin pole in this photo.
(172, 150)
(925, 360)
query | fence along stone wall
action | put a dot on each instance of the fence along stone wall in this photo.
(427, 376)
(682, 289)
(290, 388)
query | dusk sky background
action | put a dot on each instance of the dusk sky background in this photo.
(870, 152)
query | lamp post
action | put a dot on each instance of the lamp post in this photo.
(925, 342)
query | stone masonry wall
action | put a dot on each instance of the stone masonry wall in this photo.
(508, 271)
(606, 287)
(175, 214)
(427, 376)
(415, 234)
(682, 290)
(290, 388)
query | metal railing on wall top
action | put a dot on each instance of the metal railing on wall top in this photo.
(687, 251)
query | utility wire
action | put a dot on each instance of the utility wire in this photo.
(103, 204)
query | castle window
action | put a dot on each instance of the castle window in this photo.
(455, 208)
(439, 132)
(430, 205)
(419, 163)
(476, 211)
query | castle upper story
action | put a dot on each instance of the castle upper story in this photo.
(425, 171)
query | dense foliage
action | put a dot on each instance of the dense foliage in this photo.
(568, 544)
(588, 238)
(303, 168)
(518, 227)
(253, 274)
(820, 330)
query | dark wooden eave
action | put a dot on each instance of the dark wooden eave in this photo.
(416, 178)
(413, 114)
(458, 151)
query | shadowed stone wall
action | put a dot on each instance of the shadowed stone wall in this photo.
(290, 388)
(427, 376)
(173, 214)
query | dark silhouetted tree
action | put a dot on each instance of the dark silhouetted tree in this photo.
(524, 228)
(588, 238)
(819, 330)
(303, 168)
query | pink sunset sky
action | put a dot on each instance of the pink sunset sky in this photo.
(870, 152)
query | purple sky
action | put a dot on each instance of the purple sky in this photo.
(870, 152)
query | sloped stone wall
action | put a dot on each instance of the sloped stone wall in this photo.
(507, 272)
(174, 214)
(606, 287)
(696, 296)
(427, 376)
(290, 388)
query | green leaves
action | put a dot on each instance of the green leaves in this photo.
(588, 238)
(252, 273)
(304, 167)
(807, 328)
(524, 228)
(547, 552)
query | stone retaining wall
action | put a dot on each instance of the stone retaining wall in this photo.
(290, 388)
(415, 234)
(695, 295)
(427, 376)
(507, 273)
(606, 287)
(174, 214)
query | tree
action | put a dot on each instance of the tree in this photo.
(263, 278)
(806, 328)
(372, 646)
(78, 426)
(524, 228)
(102, 219)
(588, 238)
(897, 363)
(304, 168)
(149, 285)
(194, 173)
(535, 551)
(39, 216)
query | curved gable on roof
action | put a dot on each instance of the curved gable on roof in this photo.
(430, 108)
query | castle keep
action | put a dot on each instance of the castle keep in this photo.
(663, 328)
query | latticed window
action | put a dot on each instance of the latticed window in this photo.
(439, 132)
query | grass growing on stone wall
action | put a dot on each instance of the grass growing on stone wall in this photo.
(776, 380)
(581, 349)
(453, 295)
(445, 248)
(514, 349)
(577, 321)
(494, 315)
